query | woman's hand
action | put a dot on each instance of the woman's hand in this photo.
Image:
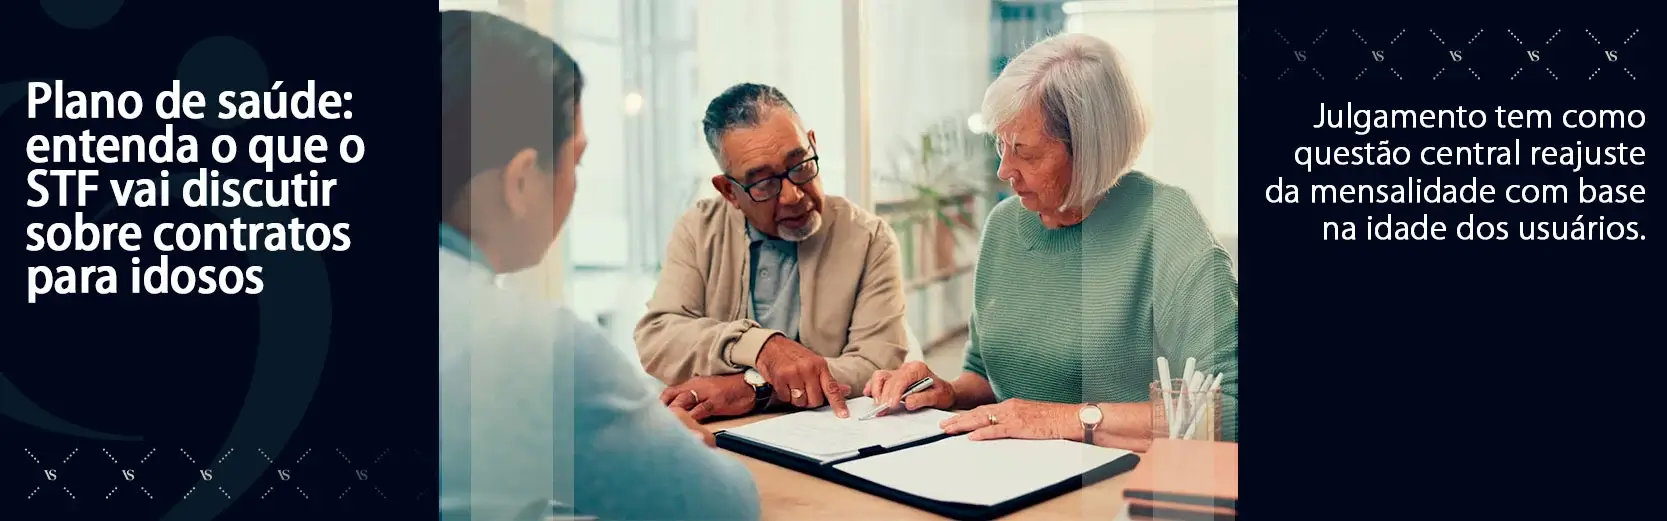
(887, 387)
(1015, 418)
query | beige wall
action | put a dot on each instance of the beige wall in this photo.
(928, 61)
(1184, 55)
(795, 46)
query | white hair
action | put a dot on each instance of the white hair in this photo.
(1087, 101)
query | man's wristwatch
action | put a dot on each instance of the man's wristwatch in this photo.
(761, 391)
(1090, 416)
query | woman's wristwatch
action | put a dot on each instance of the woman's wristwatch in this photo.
(1090, 415)
(761, 390)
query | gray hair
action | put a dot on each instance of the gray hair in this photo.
(1088, 102)
(740, 106)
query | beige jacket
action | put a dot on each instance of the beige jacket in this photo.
(699, 322)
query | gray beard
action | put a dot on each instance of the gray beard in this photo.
(810, 228)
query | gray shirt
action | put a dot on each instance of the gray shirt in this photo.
(775, 282)
(535, 406)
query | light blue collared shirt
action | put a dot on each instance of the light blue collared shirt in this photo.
(453, 240)
(775, 282)
(536, 406)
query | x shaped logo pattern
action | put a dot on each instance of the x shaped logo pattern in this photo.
(51, 470)
(1457, 55)
(1612, 55)
(362, 474)
(115, 473)
(207, 472)
(129, 472)
(333, 473)
(1443, 54)
(1378, 54)
(1300, 54)
(1533, 52)
(284, 473)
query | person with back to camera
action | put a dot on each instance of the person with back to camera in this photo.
(772, 292)
(1086, 276)
(536, 408)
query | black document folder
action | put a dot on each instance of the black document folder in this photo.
(960, 511)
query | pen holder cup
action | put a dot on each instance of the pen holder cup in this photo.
(1178, 413)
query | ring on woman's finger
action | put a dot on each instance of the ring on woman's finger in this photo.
(797, 394)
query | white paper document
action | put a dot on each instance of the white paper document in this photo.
(983, 473)
(821, 436)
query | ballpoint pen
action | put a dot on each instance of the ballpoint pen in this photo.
(916, 387)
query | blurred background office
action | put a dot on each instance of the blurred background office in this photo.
(892, 89)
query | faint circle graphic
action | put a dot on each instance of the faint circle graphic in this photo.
(81, 14)
(219, 64)
(13, 403)
(295, 310)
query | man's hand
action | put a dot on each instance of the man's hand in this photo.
(708, 396)
(800, 376)
(695, 427)
(887, 387)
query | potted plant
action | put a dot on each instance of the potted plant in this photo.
(940, 181)
(941, 177)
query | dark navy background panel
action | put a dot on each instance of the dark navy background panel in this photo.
(1451, 379)
(317, 398)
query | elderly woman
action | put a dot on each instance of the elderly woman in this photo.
(1088, 276)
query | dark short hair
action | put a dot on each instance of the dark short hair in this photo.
(519, 86)
(739, 106)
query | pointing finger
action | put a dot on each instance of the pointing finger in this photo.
(835, 395)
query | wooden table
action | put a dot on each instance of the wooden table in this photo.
(790, 495)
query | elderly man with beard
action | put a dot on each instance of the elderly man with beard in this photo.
(773, 292)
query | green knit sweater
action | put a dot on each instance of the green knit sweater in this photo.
(1079, 314)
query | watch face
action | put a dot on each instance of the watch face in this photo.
(1090, 414)
(753, 378)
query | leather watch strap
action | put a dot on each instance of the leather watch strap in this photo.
(1090, 415)
(761, 396)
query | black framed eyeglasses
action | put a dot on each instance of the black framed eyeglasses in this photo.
(769, 187)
